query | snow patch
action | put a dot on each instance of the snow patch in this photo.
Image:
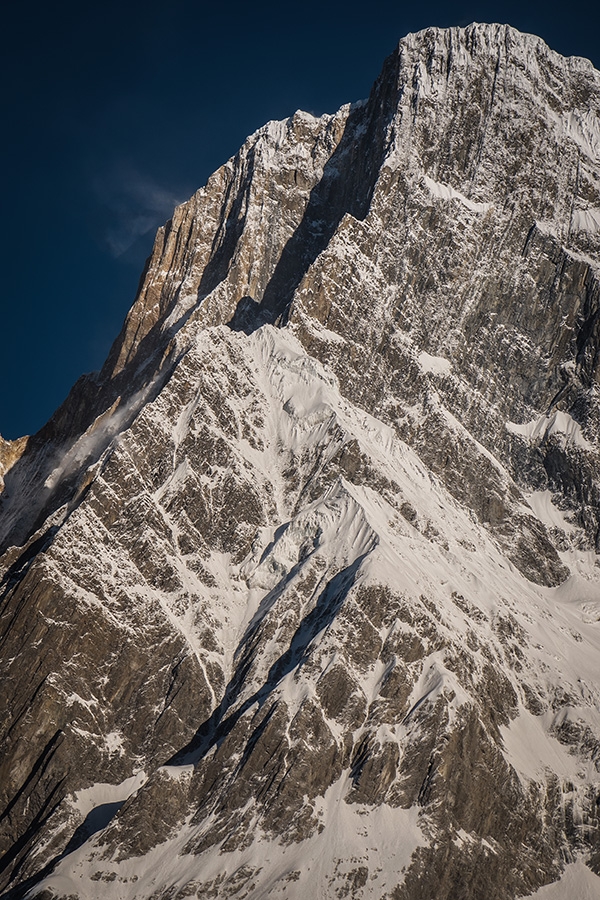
(322, 333)
(586, 220)
(584, 129)
(464, 837)
(320, 524)
(577, 882)
(380, 839)
(434, 681)
(445, 192)
(558, 423)
(113, 742)
(99, 794)
(527, 732)
(435, 365)
(544, 509)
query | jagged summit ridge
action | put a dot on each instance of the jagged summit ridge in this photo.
(305, 582)
(187, 262)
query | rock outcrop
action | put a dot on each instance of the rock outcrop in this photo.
(10, 452)
(302, 591)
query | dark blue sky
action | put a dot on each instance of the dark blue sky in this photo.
(115, 111)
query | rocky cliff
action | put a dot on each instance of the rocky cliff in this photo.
(302, 591)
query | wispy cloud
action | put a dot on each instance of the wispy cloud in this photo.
(135, 205)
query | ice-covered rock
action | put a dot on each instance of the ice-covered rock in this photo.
(301, 593)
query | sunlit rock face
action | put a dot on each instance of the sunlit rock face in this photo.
(301, 593)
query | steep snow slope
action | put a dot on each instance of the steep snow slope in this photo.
(387, 668)
(301, 593)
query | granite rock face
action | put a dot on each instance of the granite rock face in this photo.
(301, 593)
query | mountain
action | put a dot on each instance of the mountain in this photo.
(301, 592)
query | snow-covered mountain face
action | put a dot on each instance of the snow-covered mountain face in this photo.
(301, 593)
